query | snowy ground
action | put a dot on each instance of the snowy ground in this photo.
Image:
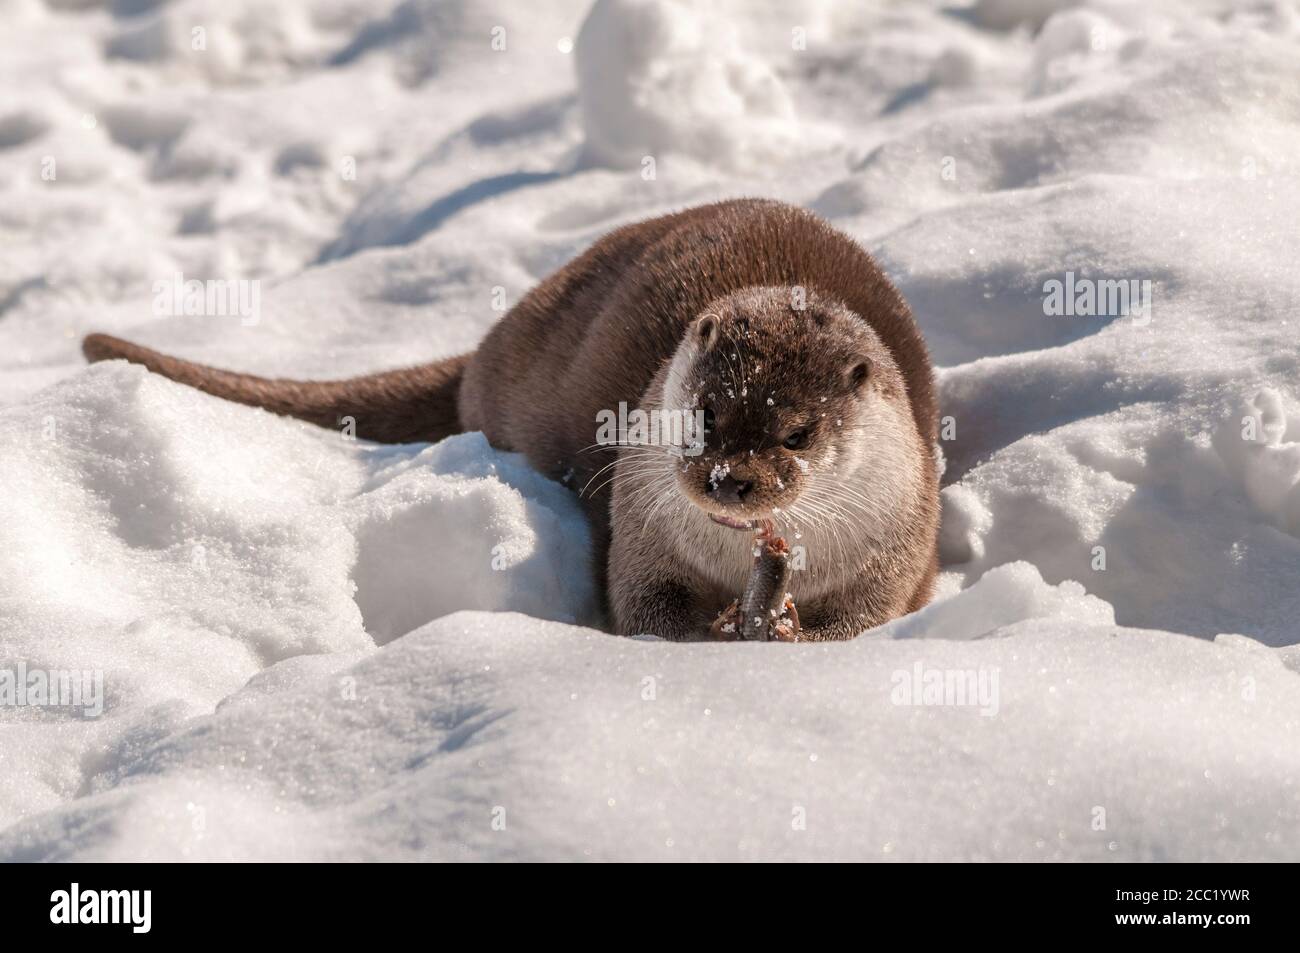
(313, 648)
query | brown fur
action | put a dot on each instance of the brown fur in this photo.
(412, 405)
(601, 331)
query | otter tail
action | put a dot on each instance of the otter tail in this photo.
(411, 405)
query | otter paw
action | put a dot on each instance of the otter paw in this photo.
(726, 627)
(786, 628)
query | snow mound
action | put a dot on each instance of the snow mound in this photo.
(181, 544)
(460, 526)
(1256, 452)
(661, 76)
(1011, 593)
(223, 42)
(1085, 742)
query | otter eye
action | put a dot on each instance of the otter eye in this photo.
(709, 420)
(796, 441)
(860, 373)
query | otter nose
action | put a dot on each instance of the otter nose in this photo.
(729, 489)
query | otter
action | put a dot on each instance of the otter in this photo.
(779, 333)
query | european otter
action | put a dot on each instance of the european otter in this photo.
(780, 334)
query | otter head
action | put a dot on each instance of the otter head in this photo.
(796, 394)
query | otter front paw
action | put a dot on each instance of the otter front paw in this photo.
(726, 627)
(785, 628)
(729, 626)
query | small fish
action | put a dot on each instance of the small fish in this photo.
(765, 605)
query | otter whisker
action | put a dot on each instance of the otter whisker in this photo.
(633, 452)
(644, 468)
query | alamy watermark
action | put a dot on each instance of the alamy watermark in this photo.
(22, 687)
(681, 431)
(132, 908)
(1098, 298)
(232, 298)
(951, 687)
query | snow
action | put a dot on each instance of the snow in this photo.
(316, 648)
(664, 75)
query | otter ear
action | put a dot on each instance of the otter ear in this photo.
(860, 373)
(706, 331)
